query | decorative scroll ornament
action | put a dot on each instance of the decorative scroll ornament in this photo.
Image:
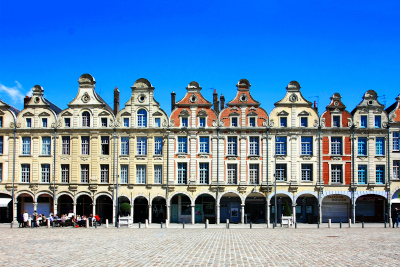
(321, 123)
(12, 125)
(269, 123)
(85, 98)
(218, 123)
(115, 123)
(57, 124)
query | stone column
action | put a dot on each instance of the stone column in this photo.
(217, 214)
(294, 212)
(242, 219)
(132, 212)
(168, 213)
(150, 213)
(192, 214)
(267, 211)
(74, 208)
(34, 206)
(93, 209)
(15, 219)
(113, 213)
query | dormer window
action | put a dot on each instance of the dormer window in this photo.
(336, 121)
(126, 122)
(184, 122)
(1, 122)
(303, 122)
(202, 122)
(44, 122)
(142, 118)
(364, 122)
(157, 122)
(103, 122)
(377, 121)
(28, 122)
(283, 122)
(85, 119)
(252, 122)
(234, 122)
(67, 122)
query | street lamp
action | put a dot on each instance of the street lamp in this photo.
(115, 124)
(14, 125)
(217, 123)
(268, 124)
(55, 126)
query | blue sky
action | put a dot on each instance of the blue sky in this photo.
(327, 46)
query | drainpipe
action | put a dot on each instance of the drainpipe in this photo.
(116, 190)
(388, 170)
(114, 202)
(168, 206)
(319, 172)
(13, 202)
(54, 173)
(353, 214)
(276, 210)
(217, 210)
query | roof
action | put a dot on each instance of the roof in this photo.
(392, 107)
(15, 110)
(53, 107)
(102, 100)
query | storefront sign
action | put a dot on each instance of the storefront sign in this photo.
(336, 198)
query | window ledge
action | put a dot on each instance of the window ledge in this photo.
(123, 155)
(45, 156)
(27, 156)
(306, 156)
(380, 156)
(336, 157)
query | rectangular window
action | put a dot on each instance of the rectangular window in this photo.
(254, 147)
(283, 122)
(380, 146)
(25, 173)
(380, 174)
(182, 144)
(252, 122)
(46, 146)
(28, 122)
(84, 173)
(1, 122)
(377, 121)
(336, 173)
(26, 145)
(158, 174)
(204, 173)
(280, 145)
(85, 145)
(124, 145)
(124, 174)
(126, 122)
(157, 122)
(336, 145)
(182, 173)
(141, 145)
(1, 144)
(232, 174)
(281, 172)
(103, 122)
(67, 122)
(158, 141)
(44, 122)
(362, 174)
(234, 122)
(253, 172)
(396, 169)
(364, 122)
(184, 122)
(303, 122)
(202, 122)
(396, 141)
(362, 146)
(306, 145)
(105, 145)
(1, 172)
(140, 174)
(64, 173)
(104, 173)
(65, 145)
(45, 173)
(232, 145)
(306, 172)
(336, 121)
(204, 144)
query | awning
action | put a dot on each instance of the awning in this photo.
(395, 200)
(4, 202)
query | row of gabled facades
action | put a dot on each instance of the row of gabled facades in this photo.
(206, 160)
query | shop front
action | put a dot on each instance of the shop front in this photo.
(370, 208)
(230, 208)
(204, 209)
(337, 208)
(255, 208)
(181, 209)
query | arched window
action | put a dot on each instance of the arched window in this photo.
(142, 118)
(86, 119)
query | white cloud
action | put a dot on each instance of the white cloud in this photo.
(15, 93)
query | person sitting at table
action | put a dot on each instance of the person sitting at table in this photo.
(82, 222)
(38, 220)
(74, 220)
(44, 219)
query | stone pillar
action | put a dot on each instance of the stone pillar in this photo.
(93, 209)
(168, 218)
(354, 214)
(74, 208)
(15, 219)
(267, 212)
(294, 212)
(192, 214)
(35, 206)
(150, 213)
(132, 212)
(242, 219)
(113, 213)
(217, 214)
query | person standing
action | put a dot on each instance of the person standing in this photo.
(34, 219)
(395, 217)
(26, 217)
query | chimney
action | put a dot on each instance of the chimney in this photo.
(222, 102)
(26, 100)
(116, 101)
(173, 95)
(215, 101)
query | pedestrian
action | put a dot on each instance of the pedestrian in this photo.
(395, 217)
(34, 219)
(26, 217)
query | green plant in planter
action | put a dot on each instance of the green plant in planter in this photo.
(286, 210)
(125, 207)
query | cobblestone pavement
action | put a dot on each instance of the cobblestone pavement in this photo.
(372, 246)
